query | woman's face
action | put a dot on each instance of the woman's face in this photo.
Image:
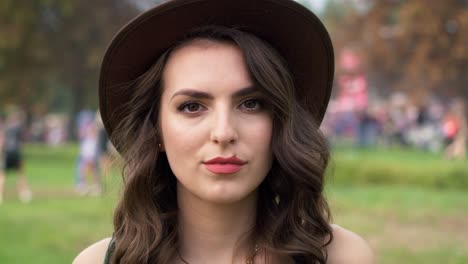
(210, 109)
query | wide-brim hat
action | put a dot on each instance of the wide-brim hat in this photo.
(293, 30)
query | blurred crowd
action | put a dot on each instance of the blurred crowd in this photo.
(433, 126)
(395, 122)
(92, 160)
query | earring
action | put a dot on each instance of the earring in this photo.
(277, 199)
(159, 146)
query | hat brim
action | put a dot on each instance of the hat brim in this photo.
(295, 32)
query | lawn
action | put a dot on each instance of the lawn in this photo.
(406, 217)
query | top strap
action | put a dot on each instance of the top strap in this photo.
(110, 250)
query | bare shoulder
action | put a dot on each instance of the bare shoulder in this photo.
(94, 254)
(348, 247)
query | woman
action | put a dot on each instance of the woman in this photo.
(215, 107)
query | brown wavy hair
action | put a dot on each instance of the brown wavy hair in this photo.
(292, 218)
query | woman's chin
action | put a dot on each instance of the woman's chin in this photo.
(225, 196)
(222, 198)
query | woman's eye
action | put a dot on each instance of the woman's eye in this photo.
(251, 104)
(190, 107)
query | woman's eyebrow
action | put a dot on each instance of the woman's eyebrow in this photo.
(204, 95)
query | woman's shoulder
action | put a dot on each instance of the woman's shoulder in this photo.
(348, 247)
(94, 254)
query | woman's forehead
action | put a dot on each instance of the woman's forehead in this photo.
(208, 67)
(203, 42)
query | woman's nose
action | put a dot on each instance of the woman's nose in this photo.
(224, 129)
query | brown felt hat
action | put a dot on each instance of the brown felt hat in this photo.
(294, 31)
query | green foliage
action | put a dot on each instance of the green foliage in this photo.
(51, 46)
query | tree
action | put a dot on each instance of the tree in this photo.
(416, 46)
(51, 50)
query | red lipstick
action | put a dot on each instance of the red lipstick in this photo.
(221, 165)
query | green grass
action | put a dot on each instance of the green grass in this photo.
(397, 167)
(405, 218)
(51, 230)
(405, 224)
(57, 224)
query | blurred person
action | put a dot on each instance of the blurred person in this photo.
(456, 131)
(225, 162)
(12, 158)
(38, 129)
(2, 162)
(368, 128)
(400, 116)
(83, 119)
(89, 161)
(426, 133)
(380, 114)
(450, 127)
(103, 149)
(55, 129)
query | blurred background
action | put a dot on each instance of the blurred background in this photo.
(397, 126)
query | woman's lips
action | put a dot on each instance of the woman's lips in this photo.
(220, 165)
(227, 168)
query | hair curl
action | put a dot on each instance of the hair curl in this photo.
(293, 216)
